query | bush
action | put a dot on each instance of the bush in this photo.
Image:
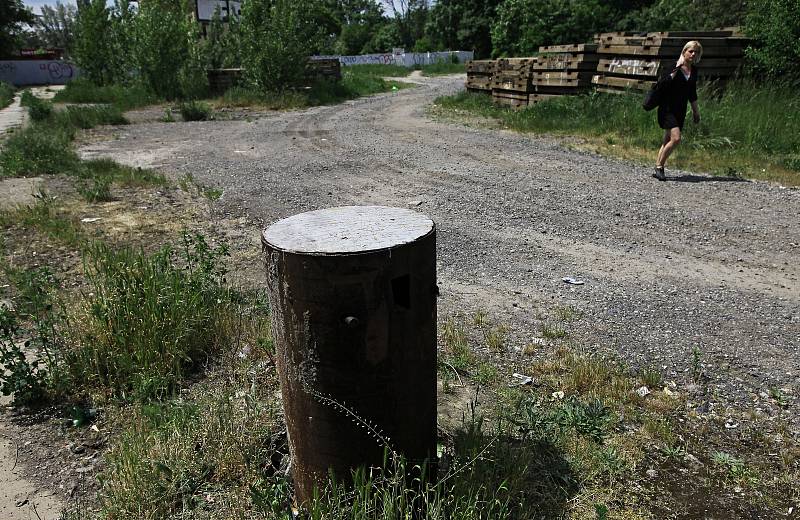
(194, 111)
(150, 318)
(123, 97)
(774, 26)
(38, 109)
(7, 91)
(37, 150)
(278, 36)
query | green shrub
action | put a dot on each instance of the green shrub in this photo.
(39, 149)
(124, 97)
(774, 26)
(38, 109)
(277, 38)
(90, 117)
(96, 189)
(150, 319)
(7, 91)
(194, 111)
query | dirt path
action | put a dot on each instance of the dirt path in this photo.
(676, 273)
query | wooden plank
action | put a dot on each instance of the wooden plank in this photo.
(575, 47)
(621, 83)
(479, 90)
(538, 98)
(510, 94)
(567, 61)
(666, 51)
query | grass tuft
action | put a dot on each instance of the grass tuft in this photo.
(149, 320)
(7, 92)
(194, 111)
(124, 98)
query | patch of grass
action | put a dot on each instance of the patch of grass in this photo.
(89, 117)
(456, 346)
(356, 82)
(149, 320)
(388, 71)
(96, 189)
(194, 111)
(124, 98)
(171, 457)
(39, 149)
(45, 217)
(7, 92)
(119, 173)
(38, 109)
(743, 131)
(552, 331)
(443, 67)
(212, 193)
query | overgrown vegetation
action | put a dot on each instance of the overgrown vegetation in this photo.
(45, 148)
(7, 92)
(123, 97)
(743, 131)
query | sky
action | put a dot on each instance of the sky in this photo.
(36, 5)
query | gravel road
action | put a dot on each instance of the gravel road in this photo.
(669, 267)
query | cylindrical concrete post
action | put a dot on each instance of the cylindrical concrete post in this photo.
(353, 302)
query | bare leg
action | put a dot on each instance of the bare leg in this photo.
(672, 138)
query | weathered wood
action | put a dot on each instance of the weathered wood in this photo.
(353, 304)
(576, 47)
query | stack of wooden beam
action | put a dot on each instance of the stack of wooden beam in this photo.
(630, 61)
(328, 68)
(563, 69)
(479, 75)
(512, 81)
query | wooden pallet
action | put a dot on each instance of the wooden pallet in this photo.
(482, 83)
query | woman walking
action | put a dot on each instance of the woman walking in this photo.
(681, 88)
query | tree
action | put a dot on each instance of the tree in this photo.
(463, 24)
(774, 26)
(94, 45)
(522, 26)
(12, 17)
(56, 26)
(278, 36)
(164, 52)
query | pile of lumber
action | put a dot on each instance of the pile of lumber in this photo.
(512, 81)
(479, 75)
(563, 70)
(635, 61)
(325, 68)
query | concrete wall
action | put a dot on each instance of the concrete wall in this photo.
(408, 59)
(37, 72)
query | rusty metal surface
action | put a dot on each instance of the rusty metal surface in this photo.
(355, 336)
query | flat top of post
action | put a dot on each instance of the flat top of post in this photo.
(347, 230)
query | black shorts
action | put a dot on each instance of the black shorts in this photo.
(668, 120)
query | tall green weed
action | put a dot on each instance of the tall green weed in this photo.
(7, 91)
(123, 97)
(150, 319)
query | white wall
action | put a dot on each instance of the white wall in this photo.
(37, 72)
(408, 59)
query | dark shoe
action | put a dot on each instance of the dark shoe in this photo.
(659, 174)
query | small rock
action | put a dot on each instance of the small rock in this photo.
(642, 391)
(652, 473)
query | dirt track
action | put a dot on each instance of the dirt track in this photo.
(668, 266)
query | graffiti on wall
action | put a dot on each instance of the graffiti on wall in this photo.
(37, 72)
(408, 59)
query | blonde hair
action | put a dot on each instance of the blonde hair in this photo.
(694, 44)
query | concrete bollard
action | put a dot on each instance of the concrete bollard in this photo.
(353, 302)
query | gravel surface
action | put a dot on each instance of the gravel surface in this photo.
(693, 264)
